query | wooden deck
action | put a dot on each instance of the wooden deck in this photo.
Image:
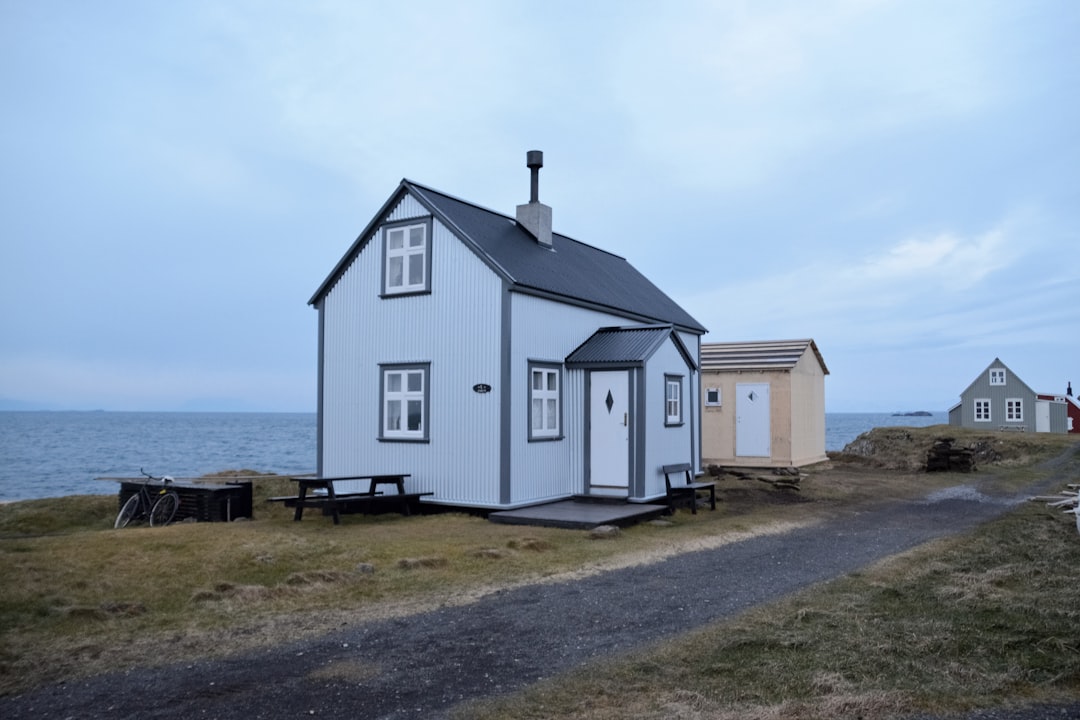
(579, 514)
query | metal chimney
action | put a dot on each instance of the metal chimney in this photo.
(535, 216)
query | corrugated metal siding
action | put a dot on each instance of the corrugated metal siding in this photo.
(544, 330)
(981, 389)
(665, 445)
(455, 328)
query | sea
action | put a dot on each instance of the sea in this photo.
(53, 454)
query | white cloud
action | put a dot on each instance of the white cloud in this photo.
(941, 261)
(730, 95)
(905, 289)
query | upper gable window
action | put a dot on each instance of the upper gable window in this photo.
(407, 258)
(997, 376)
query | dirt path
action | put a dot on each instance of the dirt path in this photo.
(423, 665)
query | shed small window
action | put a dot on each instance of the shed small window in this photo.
(982, 410)
(997, 376)
(672, 400)
(712, 397)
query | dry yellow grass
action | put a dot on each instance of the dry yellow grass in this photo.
(78, 596)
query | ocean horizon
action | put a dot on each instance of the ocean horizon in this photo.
(53, 453)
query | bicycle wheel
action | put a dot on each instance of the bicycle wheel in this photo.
(164, 509)
(127, 512)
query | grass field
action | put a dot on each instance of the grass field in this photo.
(971, 620)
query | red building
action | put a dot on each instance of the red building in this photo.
(1072, 407)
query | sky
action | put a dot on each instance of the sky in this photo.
(898, 180)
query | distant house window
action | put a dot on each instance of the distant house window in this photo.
(712, 397)
(405, 399)
(407, 258)
(982, 411)
(545, 402)
(997, 376)
(1014, 410)
(673, 400)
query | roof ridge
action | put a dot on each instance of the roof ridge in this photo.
(463, 201)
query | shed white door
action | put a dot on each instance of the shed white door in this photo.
(753, 434)
(1042, 416)
(609, 432)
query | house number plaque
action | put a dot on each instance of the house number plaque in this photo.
(481, 388)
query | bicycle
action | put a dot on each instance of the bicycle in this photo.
(159, 510)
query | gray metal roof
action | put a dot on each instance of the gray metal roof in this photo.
(569, 271)
(763, 355)
(625, 346)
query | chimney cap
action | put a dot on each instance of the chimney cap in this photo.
(534, 159)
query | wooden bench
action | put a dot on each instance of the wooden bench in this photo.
(687, 488)
(333, 503)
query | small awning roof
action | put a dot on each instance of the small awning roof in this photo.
(626, 347)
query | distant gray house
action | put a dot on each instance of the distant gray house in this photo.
(498, 363)
(999, 400)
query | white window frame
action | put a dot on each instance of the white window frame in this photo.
(545, 401)
(719, 397)
(982, 404)
(673, 412)
(407, 256)
(997, 376)
(1014, 410)
(404, 393)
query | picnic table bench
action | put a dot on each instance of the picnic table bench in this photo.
(689, 488)
(334, 503)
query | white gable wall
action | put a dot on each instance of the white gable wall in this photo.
(455, 328)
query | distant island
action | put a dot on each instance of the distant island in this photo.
(917, 413)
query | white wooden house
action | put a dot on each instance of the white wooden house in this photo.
(497, 363)
(764, 403)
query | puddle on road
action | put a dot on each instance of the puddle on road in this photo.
(967, 493)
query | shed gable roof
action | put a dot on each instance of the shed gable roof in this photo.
(569, 271)
(762, 355)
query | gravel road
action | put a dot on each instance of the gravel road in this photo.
(424, 665)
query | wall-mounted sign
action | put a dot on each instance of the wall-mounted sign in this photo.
(481, 388)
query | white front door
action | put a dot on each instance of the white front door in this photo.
(609, 433)
(1042, 416)
(753, 434)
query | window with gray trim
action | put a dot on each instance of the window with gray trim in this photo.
(997, 376)
(407, 257)
(405, 394)
(545, 401)
(673, 399)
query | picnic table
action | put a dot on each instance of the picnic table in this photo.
(333, 502)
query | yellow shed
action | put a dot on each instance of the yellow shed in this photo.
(763, 403)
